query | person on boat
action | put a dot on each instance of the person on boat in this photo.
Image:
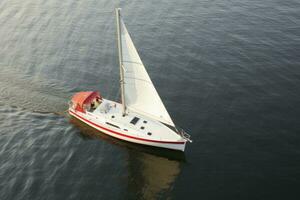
(93, 106)
(97, 102)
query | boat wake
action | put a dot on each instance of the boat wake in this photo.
(32, 93)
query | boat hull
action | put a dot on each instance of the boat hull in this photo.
(174, 145)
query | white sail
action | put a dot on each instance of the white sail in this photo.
(140, 93)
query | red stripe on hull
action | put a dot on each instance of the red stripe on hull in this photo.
(121, 134)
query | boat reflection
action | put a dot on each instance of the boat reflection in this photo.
(150, 176)
(151, 171)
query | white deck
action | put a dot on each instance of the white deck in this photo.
(108, 109)
(108, 115)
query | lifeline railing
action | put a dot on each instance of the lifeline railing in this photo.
(185, 135)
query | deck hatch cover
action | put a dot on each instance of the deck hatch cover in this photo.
(134, 120)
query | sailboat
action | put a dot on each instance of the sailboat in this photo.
(141, 117)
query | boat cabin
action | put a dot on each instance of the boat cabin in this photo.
(86, 101)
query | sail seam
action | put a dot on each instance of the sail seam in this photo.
(124, 61)
(160, 118)
(139, 79)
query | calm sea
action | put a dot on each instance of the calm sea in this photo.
(227, 71)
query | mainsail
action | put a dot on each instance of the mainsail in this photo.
(140, 94)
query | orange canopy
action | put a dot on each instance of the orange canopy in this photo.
(82, 98)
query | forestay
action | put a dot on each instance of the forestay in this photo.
(140, 93)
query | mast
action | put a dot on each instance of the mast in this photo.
(120, 59)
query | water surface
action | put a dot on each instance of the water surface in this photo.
(228, 73)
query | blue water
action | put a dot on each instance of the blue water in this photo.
(228, 73)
